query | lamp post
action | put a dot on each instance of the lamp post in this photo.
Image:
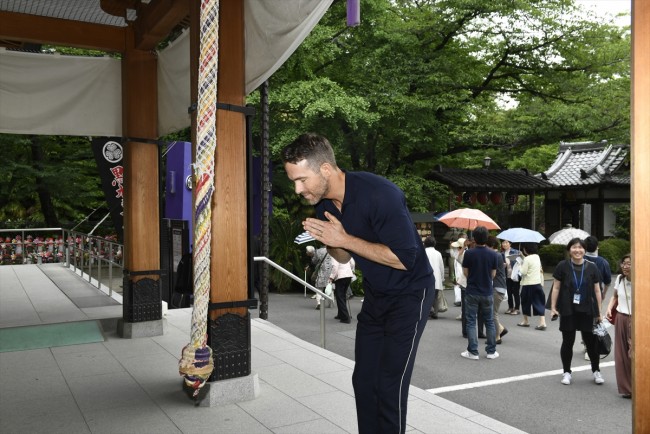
(486, 162)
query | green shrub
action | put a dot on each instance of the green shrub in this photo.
(550, 255)
(613, 250)
(289, 255)
(357, 285)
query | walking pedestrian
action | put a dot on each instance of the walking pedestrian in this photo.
(499, 284)
(457, 250)
(322, 262)
(511, 285)
(479, 266)
(621, 301)
(341, 277)
(438, 265)
(532, 292)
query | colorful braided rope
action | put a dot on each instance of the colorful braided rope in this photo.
(196, 362)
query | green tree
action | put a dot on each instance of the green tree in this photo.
(49, 180)
(421, 83)
(428, 82)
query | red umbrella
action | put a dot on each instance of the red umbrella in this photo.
(468, 218)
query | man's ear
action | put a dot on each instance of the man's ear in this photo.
(326, 169)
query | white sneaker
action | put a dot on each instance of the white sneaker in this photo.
(469, 355)
(566, 378)
(598, 378)
(494, 355)
(587, 356)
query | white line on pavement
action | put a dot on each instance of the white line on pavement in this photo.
(509, 379)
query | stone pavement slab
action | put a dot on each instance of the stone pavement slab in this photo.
(133, 386)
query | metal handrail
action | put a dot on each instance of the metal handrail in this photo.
(86, 250)
(306, 285)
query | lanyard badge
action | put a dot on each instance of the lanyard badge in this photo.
(577, 296)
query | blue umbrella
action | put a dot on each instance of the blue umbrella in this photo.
(521, 235)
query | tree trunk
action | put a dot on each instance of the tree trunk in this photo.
(44, 196)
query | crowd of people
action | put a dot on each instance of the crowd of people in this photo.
(491, 274)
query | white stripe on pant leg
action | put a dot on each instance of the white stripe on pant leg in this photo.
(399, 414)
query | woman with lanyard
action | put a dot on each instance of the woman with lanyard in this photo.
(622, 301)
(576, 299)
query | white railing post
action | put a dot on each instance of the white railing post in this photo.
(306, 285)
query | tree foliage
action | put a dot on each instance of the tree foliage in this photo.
(623, 222)
(48, 180)
(421, 83)
(418, 83)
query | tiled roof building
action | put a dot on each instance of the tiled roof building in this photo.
(589, 163)
(515, 181)
(583, 185)
(589, 179)
(495, 185)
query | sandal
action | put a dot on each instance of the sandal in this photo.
(521, 324)
(540, 327)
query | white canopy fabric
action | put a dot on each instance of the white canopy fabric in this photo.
(81, 96)
(60, 95)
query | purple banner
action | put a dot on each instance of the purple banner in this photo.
(354, 13)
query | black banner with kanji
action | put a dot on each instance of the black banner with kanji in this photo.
(109, 156)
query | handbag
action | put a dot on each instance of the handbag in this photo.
(604, 345)
(442, 302)
(328, 289)
(604, 340)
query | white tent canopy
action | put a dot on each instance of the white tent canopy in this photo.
(72, 95)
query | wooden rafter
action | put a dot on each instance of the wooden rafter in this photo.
(43, 30)
(155, 21)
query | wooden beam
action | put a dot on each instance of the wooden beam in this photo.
(55, 31)
(156, 21)
(640, 210)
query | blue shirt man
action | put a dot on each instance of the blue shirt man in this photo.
(364, 216)
(480, 265)
(591, 255)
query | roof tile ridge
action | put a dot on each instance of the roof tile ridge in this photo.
(603, 156)
(609, 166)
(557, 165)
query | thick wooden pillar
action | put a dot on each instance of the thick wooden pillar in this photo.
(229, 212)
(229, 328)
(640, 211)
(142, 296)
